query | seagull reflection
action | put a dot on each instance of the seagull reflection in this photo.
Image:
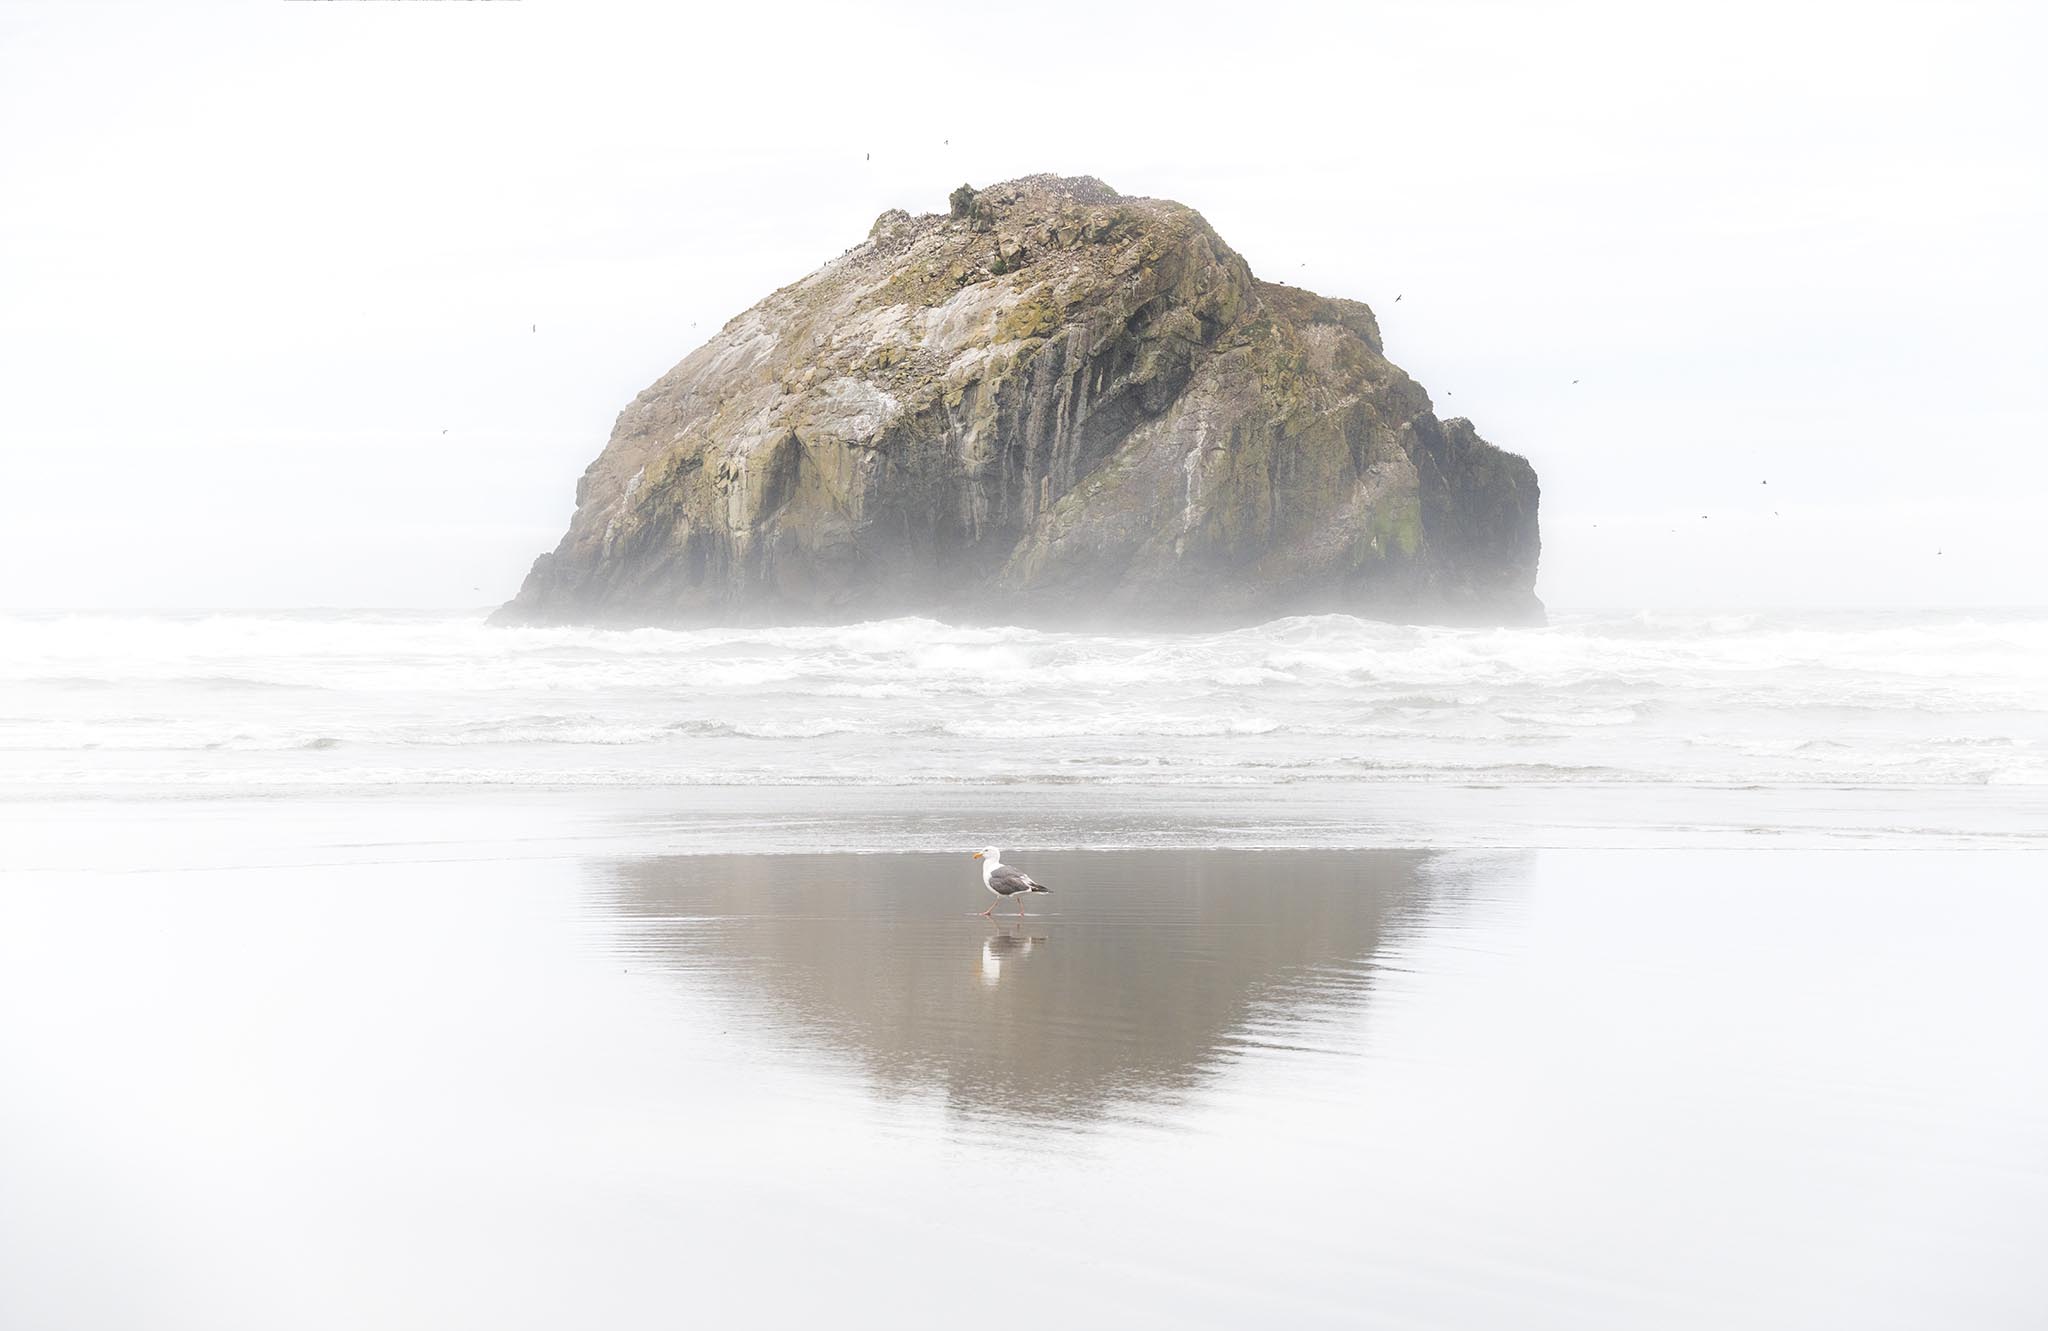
(1169, 967)
(996, 947)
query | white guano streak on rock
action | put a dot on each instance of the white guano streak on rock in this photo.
(1192, 466)
(889, 325)
(738, 351)
(611, 526)
(968, 319)
(855, 409)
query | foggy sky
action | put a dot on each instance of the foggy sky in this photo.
(269, 272)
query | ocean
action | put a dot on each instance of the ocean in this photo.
(1918, 728)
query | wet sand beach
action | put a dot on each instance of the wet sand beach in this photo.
(391, 1078)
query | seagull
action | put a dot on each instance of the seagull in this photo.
(1004, 881)
(1397, 300)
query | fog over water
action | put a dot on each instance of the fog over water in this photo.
(221, 703)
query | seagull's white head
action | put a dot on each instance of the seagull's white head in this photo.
(989, 853)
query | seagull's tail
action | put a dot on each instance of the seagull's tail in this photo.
(1041, 887)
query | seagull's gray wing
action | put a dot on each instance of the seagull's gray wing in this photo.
(1008, 882)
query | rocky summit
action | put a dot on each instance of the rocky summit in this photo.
(1052, 404)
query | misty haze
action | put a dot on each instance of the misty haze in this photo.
(1163, 666)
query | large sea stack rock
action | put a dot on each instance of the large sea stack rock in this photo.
(1053, 405)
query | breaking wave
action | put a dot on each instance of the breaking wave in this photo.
(368, 699)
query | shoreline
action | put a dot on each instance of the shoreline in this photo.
(63, 831)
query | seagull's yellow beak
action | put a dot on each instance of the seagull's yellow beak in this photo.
(975, 856)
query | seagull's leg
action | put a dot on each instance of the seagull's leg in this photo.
(1020, 905)
(987, 913)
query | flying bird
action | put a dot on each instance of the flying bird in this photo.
(1397, 300)
(1004, 881)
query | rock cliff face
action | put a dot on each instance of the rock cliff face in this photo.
(1053, 405)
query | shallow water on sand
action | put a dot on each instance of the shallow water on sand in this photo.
(1191, 1088)
(1110, 1000)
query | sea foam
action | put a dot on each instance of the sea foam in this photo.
(355, 699)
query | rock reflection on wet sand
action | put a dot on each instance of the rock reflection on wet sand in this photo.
(1141, 975)
(1554, 1091)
